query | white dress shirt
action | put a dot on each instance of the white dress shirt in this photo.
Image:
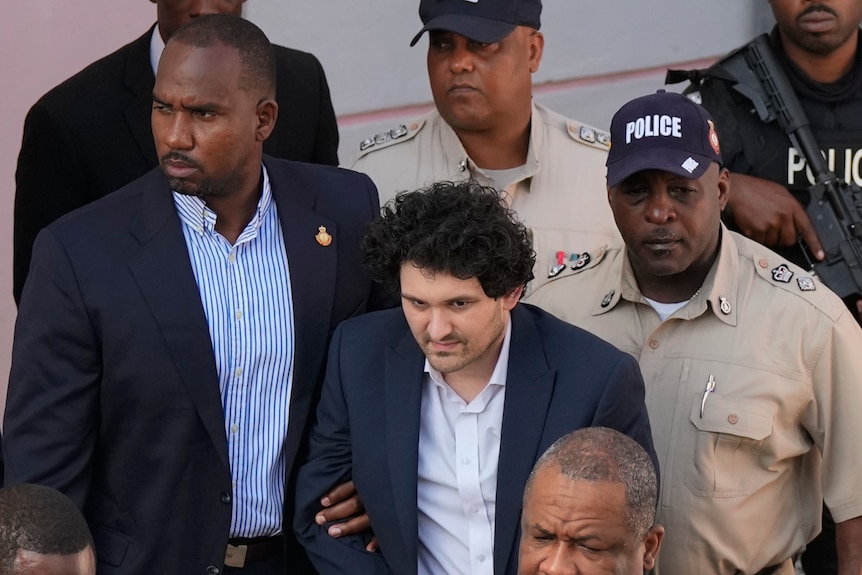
(459, 447)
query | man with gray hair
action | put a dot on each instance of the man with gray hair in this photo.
(589, 507)
(43, 533)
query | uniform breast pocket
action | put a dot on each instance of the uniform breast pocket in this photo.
(730, 445)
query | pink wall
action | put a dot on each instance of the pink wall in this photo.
(43, 43)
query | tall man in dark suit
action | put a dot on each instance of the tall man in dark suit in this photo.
(437, 411)
(91, 134)
(170, 340)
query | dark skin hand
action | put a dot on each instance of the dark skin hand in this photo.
(767, 213)
(342, 502)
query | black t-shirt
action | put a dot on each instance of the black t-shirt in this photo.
(749, 146)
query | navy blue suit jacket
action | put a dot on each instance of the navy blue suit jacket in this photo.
(560, 378)
(114, 397)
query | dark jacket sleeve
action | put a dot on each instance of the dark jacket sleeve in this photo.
(51, 419)
(329, 464)
(49, 182)
(623, 407)
(306, 129)
(326, 143)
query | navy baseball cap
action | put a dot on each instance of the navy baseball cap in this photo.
(484, 21)
(662, 131)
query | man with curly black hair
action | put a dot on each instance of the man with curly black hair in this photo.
(43, 533)
(438, 410)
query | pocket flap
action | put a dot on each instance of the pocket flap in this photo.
(111, 546)
(743, 417)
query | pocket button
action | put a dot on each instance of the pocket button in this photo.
(732, 419)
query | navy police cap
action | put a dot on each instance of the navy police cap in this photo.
(662, 131)
(485, 21)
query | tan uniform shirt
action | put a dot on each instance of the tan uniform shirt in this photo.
(561, 198)
(741, 481)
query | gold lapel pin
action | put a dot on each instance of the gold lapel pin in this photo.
(323, 237)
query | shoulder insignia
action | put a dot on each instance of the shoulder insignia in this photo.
(798, 281)
(806, 283)
(395, 135)
(782, 274)
(588, 135)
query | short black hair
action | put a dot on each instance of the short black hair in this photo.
(604, 454)
(459, 228)
(255, 50)
(39, 519)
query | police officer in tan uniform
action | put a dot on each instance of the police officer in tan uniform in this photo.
(481, 57)
(752, 366)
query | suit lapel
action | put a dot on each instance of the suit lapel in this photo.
(313, 269)
(529, 387)
(164, 274)
(403, 388)
(139, 79)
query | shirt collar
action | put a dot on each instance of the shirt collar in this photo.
(718, 293)
(501, 369)
(157, 46)
(194, 212)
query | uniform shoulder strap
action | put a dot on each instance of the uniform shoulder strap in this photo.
(391, 137)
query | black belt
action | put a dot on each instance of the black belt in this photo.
(242, 550)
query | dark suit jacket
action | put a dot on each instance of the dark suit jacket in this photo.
(113, 394)
(91, 135)
(560, 378)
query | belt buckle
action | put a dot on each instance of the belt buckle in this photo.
(235, 555)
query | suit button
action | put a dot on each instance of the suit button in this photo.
(213, 570)
(225, 497)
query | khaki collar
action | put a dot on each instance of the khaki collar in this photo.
(719, 292)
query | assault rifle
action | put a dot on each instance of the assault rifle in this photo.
(836, 206)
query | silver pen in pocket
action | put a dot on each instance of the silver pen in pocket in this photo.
(710, 387)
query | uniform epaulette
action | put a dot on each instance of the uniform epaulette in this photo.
(576, 262)
(776, 271)
(396, 135)
(589, 135)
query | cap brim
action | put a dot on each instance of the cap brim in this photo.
(665, 159)
(477, 29)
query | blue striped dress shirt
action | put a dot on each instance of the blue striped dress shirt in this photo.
(245, 291)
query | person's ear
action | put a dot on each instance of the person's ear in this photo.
(512, 298)
(267, 114)
(723, 187)
(537, 48)
(652, 544)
